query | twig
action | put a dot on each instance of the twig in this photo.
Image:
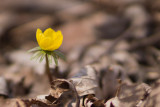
(76, 95)
(145, 42)
(124, 35)
(119, 88)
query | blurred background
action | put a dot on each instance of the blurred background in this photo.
(124, 34)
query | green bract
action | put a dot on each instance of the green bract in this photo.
(39, 54)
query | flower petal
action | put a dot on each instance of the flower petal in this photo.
(49, 40)
(49, 32)
(57, 42)
(39, 35)
(45, 43)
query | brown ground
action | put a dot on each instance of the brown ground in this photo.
(104, 41)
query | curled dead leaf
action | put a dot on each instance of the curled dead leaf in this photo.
(85, 81)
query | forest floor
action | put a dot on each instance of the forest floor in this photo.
(112, 49)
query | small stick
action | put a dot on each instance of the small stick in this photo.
(119, 88)
(155, 38)
(123, 36)
(77, 99)
(76, 95)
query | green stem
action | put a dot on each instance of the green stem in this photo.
(47, 70)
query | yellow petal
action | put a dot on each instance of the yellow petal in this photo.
(45, 43)
(49, 40)
(39, 35)
(49, 32)
(56, 43)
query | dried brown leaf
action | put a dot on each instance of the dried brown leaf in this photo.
(85, 81)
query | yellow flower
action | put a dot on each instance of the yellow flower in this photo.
(49, 40)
